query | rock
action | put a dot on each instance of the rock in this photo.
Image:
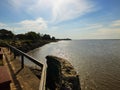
(61, 75)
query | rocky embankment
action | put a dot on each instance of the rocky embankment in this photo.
(61, 75)
(27, 45)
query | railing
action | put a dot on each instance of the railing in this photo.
(43, 75)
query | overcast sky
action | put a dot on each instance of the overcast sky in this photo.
(76, 19)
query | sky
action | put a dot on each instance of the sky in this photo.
(75, 19)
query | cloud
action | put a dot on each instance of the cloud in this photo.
(21, 4)
(70, 9)
(34, 25)
(57, 10)
(102, 32)
(95, 31)
(116, 23)
(2, 25)
(108, 31)
(91, 27)
(5, 26)
(27, 25)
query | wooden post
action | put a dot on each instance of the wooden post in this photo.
(22, 61)
(1, 54)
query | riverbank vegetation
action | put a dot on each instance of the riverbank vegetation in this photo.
(9, 35)
(26, 41)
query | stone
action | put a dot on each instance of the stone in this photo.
(61, 75)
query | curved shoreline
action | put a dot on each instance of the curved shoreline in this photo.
(26, 45)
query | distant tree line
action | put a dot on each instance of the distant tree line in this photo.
(6, 34)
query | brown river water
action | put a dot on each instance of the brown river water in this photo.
(96, 61)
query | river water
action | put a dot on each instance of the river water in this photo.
(96, 61)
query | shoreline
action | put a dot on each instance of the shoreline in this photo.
(26, 45)
(66, 71)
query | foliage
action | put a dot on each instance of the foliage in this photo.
(5, 34)
(53, 38)
(32, 36)
(20, 36)
(46, 37)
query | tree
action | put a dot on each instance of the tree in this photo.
(5, 34)
(46, 37)
(32, 36)
(20, 36)
(53, 38)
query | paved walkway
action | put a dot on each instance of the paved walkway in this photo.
(22, 78)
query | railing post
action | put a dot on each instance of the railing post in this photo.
(14, 54)
(22, 61)
(10, 50)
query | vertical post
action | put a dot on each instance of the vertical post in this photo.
(14, 54)
(10, 50)
(22, 61)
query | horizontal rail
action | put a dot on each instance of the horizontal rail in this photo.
(43, 75)
(27, 56)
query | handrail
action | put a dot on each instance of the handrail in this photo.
(43, 75)
(43, 80)
(27, 56)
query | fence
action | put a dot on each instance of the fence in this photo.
(43, 66)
